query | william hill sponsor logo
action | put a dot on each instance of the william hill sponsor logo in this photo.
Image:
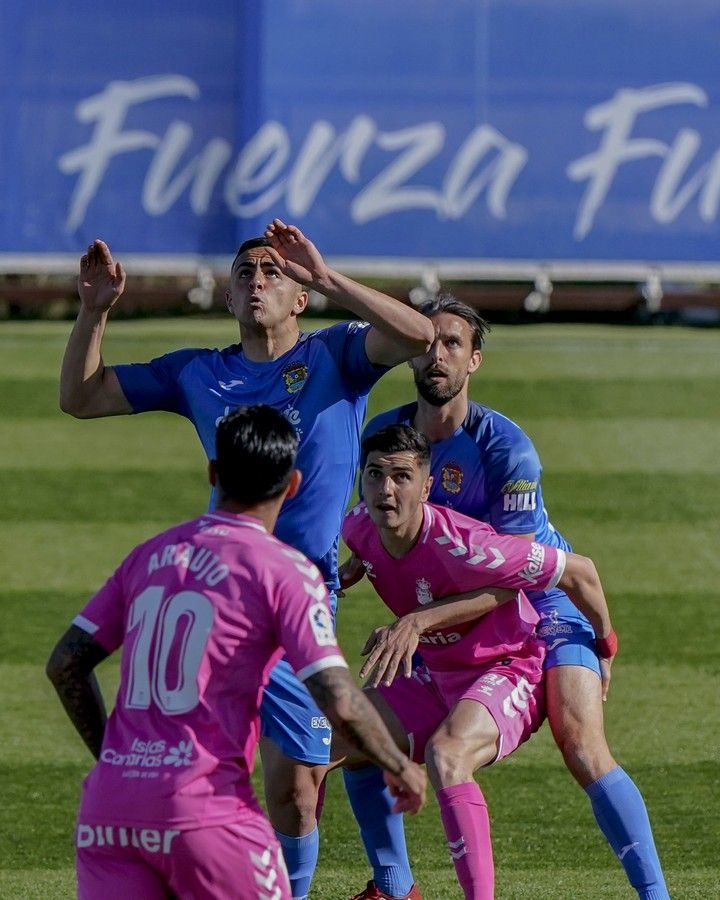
(519, 495)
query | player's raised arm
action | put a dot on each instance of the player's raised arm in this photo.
(70, 669)
(355, 718)
(399, 332)
(88, 388)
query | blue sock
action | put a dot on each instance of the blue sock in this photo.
(301, 854)
(621, 814)
(382, 831)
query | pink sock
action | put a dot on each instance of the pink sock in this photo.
(465, 818)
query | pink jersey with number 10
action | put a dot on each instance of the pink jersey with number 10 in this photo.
(203, 612)
(455, 554)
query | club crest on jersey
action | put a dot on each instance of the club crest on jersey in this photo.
(295, 376)
(452, 478)
(423, 592)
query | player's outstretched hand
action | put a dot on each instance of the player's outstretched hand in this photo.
(101, 280)
(408, 788)
(349, 573)
(296, 255)
(388, 648)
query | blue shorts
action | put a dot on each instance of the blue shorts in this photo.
(291, 719)
(569, 636)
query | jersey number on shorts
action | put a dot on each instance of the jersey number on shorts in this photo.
(179, 624)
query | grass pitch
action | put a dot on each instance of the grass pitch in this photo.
(627, 422)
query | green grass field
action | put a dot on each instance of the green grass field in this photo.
(627, 422)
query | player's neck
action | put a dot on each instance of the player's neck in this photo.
(399, 541)
(265, 513)
(438, 423)
(266, 344)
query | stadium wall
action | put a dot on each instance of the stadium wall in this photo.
(507, 141)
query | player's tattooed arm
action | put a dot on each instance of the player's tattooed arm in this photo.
(358, 722)
(70, 669)
(354, 717)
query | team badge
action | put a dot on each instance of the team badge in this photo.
(295, 377)
(423, 592)
(452, 478)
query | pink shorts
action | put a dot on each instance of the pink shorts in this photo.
(223, 862)
(511, 689)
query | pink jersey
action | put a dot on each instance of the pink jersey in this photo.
(455, 554)
(203, 612)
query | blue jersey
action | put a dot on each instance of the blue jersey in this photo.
(320, 385)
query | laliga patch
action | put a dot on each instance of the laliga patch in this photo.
(295, 377)
(322, 625)
(452, 478)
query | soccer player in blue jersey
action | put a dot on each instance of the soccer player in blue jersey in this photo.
(320, 381)
(485, 466)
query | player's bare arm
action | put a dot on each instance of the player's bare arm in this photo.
(582, 584)
(399, 332)
(70, 669)
(350, 572)
(88, 388)
(357, 721)
(391, 647)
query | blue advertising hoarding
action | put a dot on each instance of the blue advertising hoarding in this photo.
(498, 130)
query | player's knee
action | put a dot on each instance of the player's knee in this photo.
(446, 761)
(293, 798)
(586, 755)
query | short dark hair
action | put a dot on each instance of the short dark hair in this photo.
(398, 439)
(250, 244)
(256, 448)
(446, 303)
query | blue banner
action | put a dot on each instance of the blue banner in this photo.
(504, 130)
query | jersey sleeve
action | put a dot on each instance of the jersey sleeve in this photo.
(513, 484)
(304, 621)
(346, 343)
(103, 616)
(504, 561)
(155, 385)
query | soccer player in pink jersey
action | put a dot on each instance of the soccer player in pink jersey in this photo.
(480, 693)
(203, 612)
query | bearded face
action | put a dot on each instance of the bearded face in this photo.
(442, 373)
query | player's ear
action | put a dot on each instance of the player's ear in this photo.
(301, 302)
(228, 302)
(212, 472)
(475, 361)
(294, 483)
(426, 488)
